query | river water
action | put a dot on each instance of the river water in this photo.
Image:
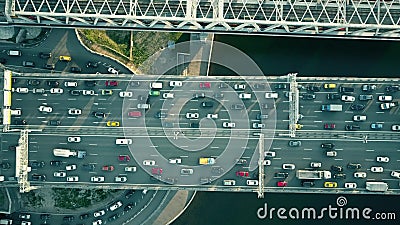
(308, 57)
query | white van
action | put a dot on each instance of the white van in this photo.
(123, 141)
(245, 96)
(156, 85)
(14, 53)
(16, 112)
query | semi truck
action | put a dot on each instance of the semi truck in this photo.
(332, 108)
(68, 152)
(206, 161)
(313, 174)
(377, 186)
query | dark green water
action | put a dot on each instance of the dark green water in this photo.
(308, 57)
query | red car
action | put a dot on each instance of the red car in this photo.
(108, 168)
(329, 126)
(135, 114)
(205, 85)
(111, 83)
(281, 183)
(156, 171)
(242, 174)
(124, 158)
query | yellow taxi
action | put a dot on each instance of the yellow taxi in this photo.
(329, 184)
(112, 124)
(329, 86)
(65, 58)
(298, 126)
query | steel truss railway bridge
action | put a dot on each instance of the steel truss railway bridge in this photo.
(322, 18)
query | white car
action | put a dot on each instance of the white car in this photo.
(23, 90)
(121, 179)
(125, 94)
(44, 108)
(266, 162)
(148, 162)
(269, 154)
(350, 185)
(212, 116)
(88, 92)
(395, 127)
(168, 95)
(384, 159)
(359, 118)
(71, 84)
(99, 213)
(56, 90)
(74, 139)
(252, 182)
(72, 178)
(271, 95)
(192, 115)
(360, 174)
(385, 98)
(130, 169)
(116, 206)
(387, 105)
(97, 222)
(228, 125)
(25, 223)
(348, 98)
(74, 112)
(239, 86)
(143, 106)
(112, 70)
(60, 174)
(175, 161)
(315, 164)
(377, 169)
(287, 166)
(70, 167)
(175, 83)
(97, 179)
(258, 125)
(395, 174)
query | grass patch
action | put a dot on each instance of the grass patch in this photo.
(78, 198)
(33, 199)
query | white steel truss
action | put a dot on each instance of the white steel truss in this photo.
(373, 18)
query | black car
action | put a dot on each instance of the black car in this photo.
(207, 104)
(259, 86)
(74, 92)
(55, 163)
(92, 64)
(308, 96)
(128, 207)
(237, 106)
(76, 69)
(223, 85)
(54, 123)
(357, 107)
(20, 122)
(218, 95)
(45, 55)
(3, 60)
(339, 176)
(346, 89)
(333, 96)
(327, 145)
(99, 115)
(53, 84)
(84, 216)
(113, 217)
(161, 115)
(280, 86)
(134, 83)
(281, 175)
(129, 193)
(337, 168)
(37, 164)
(49, 66)
(28, 64)
(199, 95)
(33, 82)
(68, 218)
(194, 125)
(352, 127)
(12, 147)
(5, 165)
(306, 183)
(89, 167)
(354, 166)
(368, 87)
(392, 88)
(45, 216)
(90, 83)
(38, 177)
(313, 88)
